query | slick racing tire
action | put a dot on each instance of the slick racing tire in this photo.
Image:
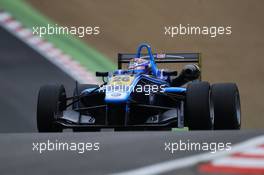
(51, 103)
(198, 108)
(226, 102)
(78, 91)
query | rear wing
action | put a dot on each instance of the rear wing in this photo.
(163, 58)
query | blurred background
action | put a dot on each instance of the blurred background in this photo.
(226, 58)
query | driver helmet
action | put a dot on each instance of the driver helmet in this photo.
(139, 64)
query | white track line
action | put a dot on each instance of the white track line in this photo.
(238, 162)
(171, 165)
(65, 62)
(255, 151)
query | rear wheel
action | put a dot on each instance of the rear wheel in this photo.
(51, 102)
(198, 109)
(226, 101)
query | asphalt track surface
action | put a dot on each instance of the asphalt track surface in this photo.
(22, 72)
(119, 151)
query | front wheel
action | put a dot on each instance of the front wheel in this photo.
(51, 102)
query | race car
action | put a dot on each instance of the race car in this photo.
(142, 97)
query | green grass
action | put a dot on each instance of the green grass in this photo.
(180, 129)
(86, 55)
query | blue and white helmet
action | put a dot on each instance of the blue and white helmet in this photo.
(139, 64)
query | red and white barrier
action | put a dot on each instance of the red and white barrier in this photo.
(248, 161)
(62, 60)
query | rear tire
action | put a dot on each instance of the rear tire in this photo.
(51, 101)
(226, 101)
(198, 111)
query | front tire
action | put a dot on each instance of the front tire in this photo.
(198, 109)
(226, 102)
(51, 101)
